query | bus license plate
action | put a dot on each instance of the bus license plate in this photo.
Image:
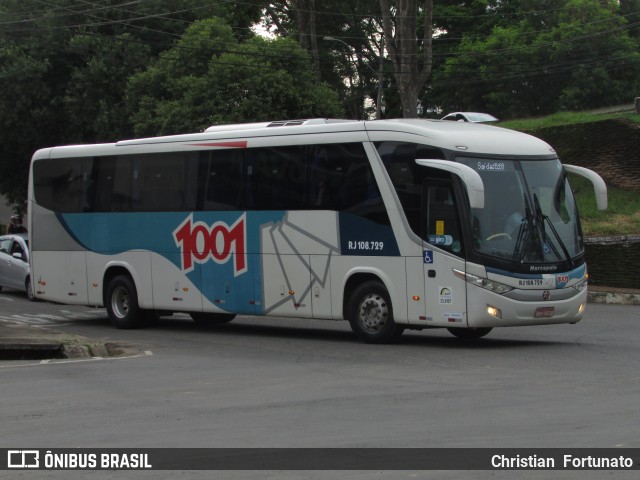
(544, 312)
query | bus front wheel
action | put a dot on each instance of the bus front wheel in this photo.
(469, 333)
(371, 315)
(122, 303)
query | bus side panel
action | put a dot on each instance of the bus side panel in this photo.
(445, 293)
(60, 276)
(287, 295)
(172, 290)
(415, 290)
(321, 285)
(224, 292)
(58, 260)
(297, 253)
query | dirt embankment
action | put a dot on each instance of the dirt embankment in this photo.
(610, 147)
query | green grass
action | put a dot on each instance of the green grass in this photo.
(565, 118)
(622, 216)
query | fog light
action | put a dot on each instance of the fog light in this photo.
(494, 312)
(581, 308)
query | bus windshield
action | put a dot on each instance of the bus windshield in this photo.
(530, 215)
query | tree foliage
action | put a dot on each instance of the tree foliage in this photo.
(209, 78)
(578, 55)
(63, 69)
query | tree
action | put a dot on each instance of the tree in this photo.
(409, 47)
(23, 113)
(209, 78)
(577, 55)
(267, 80)
(630, 10)
(94, 103)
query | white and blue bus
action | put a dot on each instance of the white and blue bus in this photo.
(391, 225)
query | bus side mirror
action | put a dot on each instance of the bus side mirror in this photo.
(598, 183)
(470, 178)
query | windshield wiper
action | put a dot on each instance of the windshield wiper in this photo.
(544, 219)
(524, 230)
(567, 255)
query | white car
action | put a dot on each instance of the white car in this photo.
(473, 117)
(14, 263)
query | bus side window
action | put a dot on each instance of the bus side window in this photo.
(276, 178)
(59, 184)
(159, 183)
(221, 180)
(327, 168)
(341, 179)
(112, 184)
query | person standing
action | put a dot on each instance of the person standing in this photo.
(15, 226)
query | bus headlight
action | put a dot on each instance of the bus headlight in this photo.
(482, 282)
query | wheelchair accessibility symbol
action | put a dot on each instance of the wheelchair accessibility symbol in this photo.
(428, 256)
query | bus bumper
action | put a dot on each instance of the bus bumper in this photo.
(486, 309)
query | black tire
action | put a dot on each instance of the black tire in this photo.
(469, 333)
(122, 303)
(371, 314)
(211, 318)
(27, 285)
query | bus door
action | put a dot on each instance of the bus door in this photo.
(445, 293)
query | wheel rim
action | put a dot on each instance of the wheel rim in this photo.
(120, 302)
(373, 312)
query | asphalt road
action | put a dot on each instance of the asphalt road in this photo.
(259, 382)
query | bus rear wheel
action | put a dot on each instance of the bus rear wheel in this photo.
(371, 314)
(122, 303)
(211, 318)
(469, 333)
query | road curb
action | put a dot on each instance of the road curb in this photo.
(614, 298)
(33, 343)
